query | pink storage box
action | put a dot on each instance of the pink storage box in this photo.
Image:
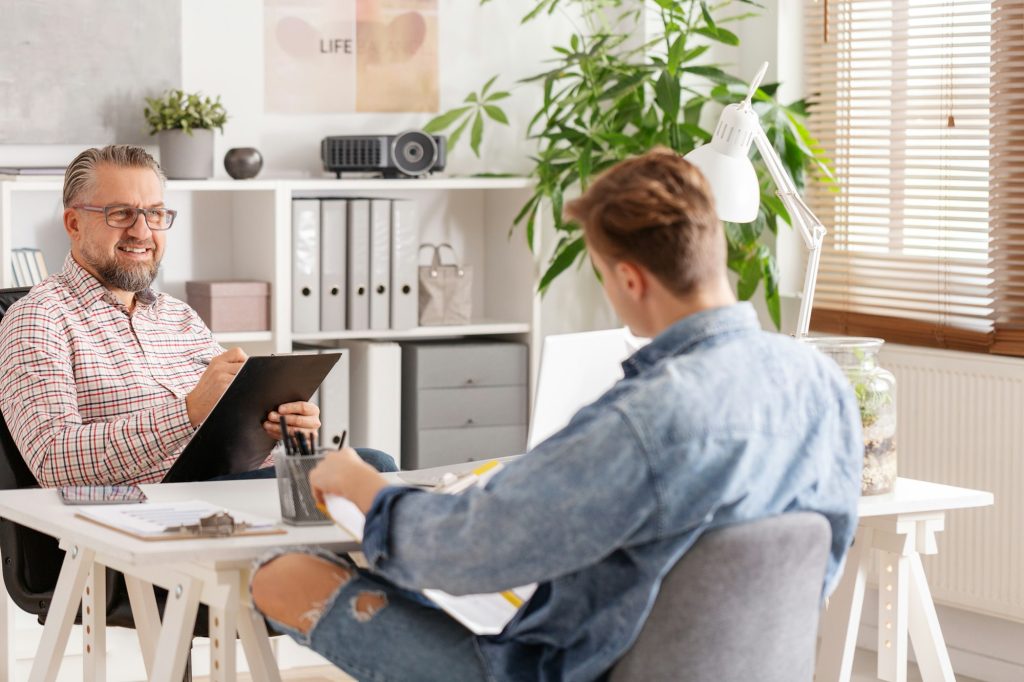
(231, 305)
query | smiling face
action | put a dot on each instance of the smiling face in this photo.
(124, 260)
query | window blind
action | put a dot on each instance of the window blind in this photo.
(1007, 174)
(900, 103)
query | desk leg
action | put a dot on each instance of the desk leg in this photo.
(223, 615)
(176, 634)
(893, 601)
(929, 645)
(842, 619)
(61, 614)
(256, 643)
(146, 616)
(6, 633)
(94, 625)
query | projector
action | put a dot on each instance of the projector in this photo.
(409, 154)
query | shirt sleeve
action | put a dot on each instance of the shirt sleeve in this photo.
(39, 402)
(576, 498)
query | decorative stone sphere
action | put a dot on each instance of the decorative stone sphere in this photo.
(242, 163)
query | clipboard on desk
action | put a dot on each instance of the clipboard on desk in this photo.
(185, 520)
(232, 439)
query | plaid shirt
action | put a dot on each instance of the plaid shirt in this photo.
(92, 394)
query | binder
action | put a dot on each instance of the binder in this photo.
(404, 265)
(41, 264)
(19, 274)
(305, 266)
(380, 264)
(28, 264)
(333, 253)
(375, 372)
(334, 402)
(358, 264)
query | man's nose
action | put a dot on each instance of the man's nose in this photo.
(140, 228)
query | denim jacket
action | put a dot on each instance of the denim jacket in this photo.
(715, 422)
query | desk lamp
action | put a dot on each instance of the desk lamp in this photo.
(725, 162)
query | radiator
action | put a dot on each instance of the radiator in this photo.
(961, 422)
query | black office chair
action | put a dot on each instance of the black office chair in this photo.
(32, 560)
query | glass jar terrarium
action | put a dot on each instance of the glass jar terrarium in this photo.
(875, 388)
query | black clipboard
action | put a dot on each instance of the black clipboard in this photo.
(232, 439)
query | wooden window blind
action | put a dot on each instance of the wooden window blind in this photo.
(1007, 174)
(900, 101)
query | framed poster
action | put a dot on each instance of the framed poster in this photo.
(341, 56)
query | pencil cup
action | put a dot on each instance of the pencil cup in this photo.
(297, 504)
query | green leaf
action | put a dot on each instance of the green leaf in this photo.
(564, 256)
(666, 94)
(750, 277)
(719, 34)
(477, 134)
(675, 53)
(497, 96)
(457, 133)
(714, 74)
(439, 123)
(707, 15)
(496, 113)
(488, 84)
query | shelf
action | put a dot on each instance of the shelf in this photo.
(481, 328)
(242, 337)
(51, 184)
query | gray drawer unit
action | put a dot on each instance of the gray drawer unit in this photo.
(438, 447)
(448, 365)
(439, 408)
(462, 401)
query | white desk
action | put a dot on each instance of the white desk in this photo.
(211, 571)
(897, 528)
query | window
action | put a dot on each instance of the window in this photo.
(921, 246)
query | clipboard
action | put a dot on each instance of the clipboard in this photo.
(143, 521)
(232, 439)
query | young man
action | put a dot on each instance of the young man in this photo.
(103, 380)
(716, 422)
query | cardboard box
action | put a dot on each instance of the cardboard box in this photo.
(231, 305)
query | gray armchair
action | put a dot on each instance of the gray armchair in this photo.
(742, 604)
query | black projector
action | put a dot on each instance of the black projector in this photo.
(409, 154)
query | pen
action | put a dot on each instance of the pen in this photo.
(202, 361)
(341, 443)
(284, 436)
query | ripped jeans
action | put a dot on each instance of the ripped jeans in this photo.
(374, 630)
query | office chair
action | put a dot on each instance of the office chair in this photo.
(32, 560)
(742, 604)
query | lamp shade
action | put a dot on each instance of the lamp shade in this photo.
(725, 163)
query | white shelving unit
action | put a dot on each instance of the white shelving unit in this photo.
(230, 229)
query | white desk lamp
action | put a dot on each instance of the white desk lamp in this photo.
(725, 162)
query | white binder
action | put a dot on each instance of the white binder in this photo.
(358, 264)
(376, 387)
(405, 239)
(333, 250)
(305, 266)
(380, 264)
(334, 405)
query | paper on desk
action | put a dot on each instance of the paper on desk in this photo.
(152, 519)
(483, 614)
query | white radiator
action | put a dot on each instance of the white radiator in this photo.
(961, 422)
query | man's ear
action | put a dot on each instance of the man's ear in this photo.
(71, 223)
(632, 279)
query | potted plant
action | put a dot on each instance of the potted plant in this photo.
(605, 100)
(184, 123)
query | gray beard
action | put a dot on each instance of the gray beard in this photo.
(115, 276)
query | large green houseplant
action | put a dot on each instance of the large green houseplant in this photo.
(605, 100)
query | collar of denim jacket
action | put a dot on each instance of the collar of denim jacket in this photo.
(691, 331)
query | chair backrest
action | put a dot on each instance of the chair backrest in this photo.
(575, 370)
(742, 604)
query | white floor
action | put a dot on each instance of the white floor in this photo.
(864, 669)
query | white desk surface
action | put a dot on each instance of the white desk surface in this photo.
(42, 510)
(910, 496)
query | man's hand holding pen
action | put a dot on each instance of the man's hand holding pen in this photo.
(215, 380)
(302, 417)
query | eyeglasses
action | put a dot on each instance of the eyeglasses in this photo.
(122, 217)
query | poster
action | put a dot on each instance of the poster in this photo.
(344, 56)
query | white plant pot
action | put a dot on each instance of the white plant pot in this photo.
(184, 156)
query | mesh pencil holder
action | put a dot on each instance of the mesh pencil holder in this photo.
(297, 504)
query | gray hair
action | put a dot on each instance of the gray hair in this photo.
(80, 176)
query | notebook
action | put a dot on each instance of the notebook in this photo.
(483, 614)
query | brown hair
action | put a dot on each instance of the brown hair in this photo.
(80, 177)
(655, 210)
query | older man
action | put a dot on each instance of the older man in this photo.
(102, 379)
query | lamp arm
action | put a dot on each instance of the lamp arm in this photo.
(811, 229)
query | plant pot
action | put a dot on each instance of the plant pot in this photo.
(184, 156)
